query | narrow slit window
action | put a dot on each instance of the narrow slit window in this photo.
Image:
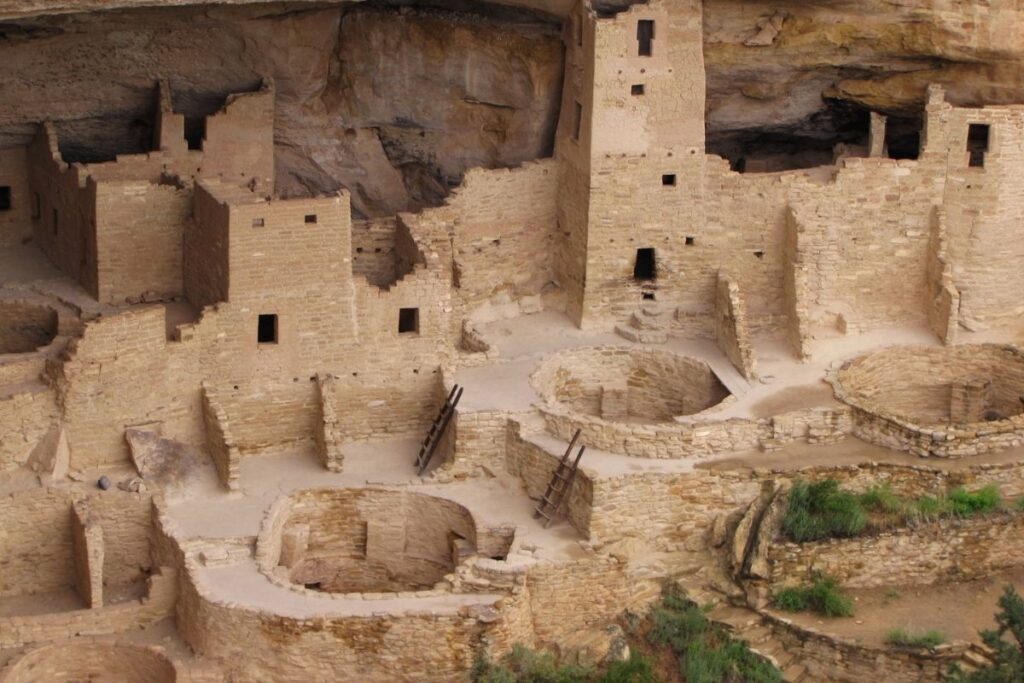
(645, 37)
(195, 131)
(636, 90)
(5, 198)
(977, 144)
(645, 268)
(310, 218)
(37, 206)
(668, 180)
(266, 328)
(577, 120)
(408, 320)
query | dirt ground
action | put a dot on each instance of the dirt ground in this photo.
(958, 610)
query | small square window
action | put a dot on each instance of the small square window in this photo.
(690, 241)
(311, 218)
(668, 180)
(266, 328)
(5, 198)
(759, 253)
(637, 89)
(408, 320)
(257, 223)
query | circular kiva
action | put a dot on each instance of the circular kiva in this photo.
(26, 326)
(364, 540)
(91, 661)
(944, 401)
(624, 384)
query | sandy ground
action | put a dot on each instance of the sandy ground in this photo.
(957, 610)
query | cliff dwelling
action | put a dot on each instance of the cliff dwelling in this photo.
(542, 340)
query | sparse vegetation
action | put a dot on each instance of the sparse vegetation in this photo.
(706, 652)
(823, 509)
(1006, 643)
(822, 596)
(899, 637)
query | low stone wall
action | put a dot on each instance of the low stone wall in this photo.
(161, 595)
(828, 658)
(693, 439)
(220, 442)
(944, 550)
(732, 330)
(902, 398)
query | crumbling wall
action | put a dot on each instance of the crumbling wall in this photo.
(731, 329)
(943, 299)
(27, 417)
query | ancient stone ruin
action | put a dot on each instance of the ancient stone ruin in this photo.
(376, 341)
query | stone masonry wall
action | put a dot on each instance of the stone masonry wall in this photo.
(15, 222)
(946, 550)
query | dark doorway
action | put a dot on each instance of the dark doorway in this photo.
(195, 131)
(977, 144)
(408, 320)
(266, 328)
(5, 198)
(645, 267)
(644, 37)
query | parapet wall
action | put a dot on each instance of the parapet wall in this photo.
(934, 552)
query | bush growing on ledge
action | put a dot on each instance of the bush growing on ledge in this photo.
(524, 665)
(899, 637)
(823, 596)
(1006, 644)
(706, 651)
(822, 510)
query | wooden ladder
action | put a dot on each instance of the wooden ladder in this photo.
(550, 504)
(437, 429)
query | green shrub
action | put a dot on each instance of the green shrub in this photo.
(822, 596)
(707, 653)
(524, 665)
(1006, 644)
(901, 638)
(965, 503)
(792, 599)
(822, 510)
(637, 669)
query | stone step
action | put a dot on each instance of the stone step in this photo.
(642, 336)
(794, 673)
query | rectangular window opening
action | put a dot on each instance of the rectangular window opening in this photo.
(977, 144)
(668, 180)
(577, 120)
(311, 218)
(647, 296)
(408, 320)
(266, 328)
(645, 268)
(645, 37)
(195, 131)
(690, 241)
(636, 90)
(5, 198)
(257, 223)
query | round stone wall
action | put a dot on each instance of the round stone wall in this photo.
(625, 384)
(943, 401)
(96, 661)
(25, 326)
(364, 540)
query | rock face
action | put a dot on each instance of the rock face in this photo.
(392, 103)
(395, 103)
